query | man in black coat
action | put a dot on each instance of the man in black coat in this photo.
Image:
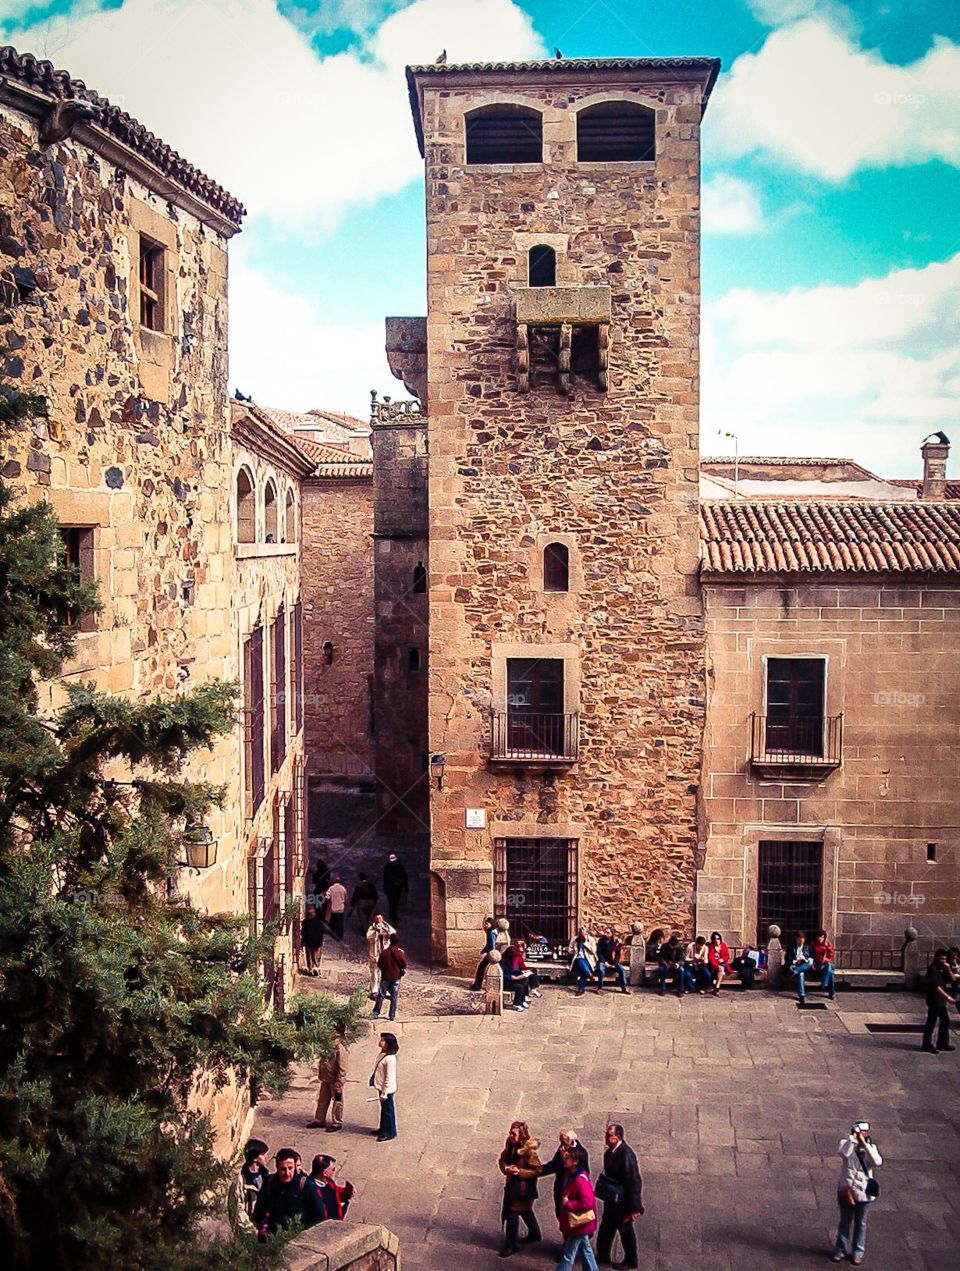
(395, 884)
(621, 1169)
(280, 1200)
(939, 987)
(556, 1167)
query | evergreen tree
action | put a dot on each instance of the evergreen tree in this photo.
(114, 996)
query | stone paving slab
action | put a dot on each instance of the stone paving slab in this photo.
(734, 1105)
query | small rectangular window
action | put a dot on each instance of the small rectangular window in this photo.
(151, 284)
(78, 543)
(585, 351)
(414, 659)
(931, 852)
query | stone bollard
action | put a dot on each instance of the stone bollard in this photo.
(493, 986)
(774, 957)
(638, 955)
(913, 967)
(503, 934)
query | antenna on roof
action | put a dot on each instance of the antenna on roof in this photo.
(736, 457)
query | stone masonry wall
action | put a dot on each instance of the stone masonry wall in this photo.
(615, 472)
(337, 595)
(134, 446)
(893, 672)
(400, 661)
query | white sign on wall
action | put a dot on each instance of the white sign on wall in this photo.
(476, 818)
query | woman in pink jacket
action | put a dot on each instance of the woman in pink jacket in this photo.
(578, 1211)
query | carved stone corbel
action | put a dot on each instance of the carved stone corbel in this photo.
(603, 352)
(566, 336)
(523, 357)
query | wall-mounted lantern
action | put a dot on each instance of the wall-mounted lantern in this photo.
(437, 765)
(201, 847)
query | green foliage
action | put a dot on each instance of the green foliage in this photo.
(117, 997)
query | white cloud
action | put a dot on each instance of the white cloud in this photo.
(284, 353)
(238, 90)
(867, 370)
(730, 205)
(812, 100)
(778, 12)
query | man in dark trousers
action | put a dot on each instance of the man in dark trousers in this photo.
(620, 1187)
(393, 964)
(939, 997)
(395, 884)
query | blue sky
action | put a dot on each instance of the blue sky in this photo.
(831, 251)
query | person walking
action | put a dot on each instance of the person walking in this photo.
(489, 944)
(583, 954)
(620, 1187)
(824, 958)
(311, 936)
(555, 1166)
(395, 884)
(799, 962)
(393, 964)
(856, 1189)
(337, 901)
(610, 959)
(939, 986)
(520, 1166)
(378, 939)
(332, 1072)
(578, 1212)
(363, 899)
(383, 1079)
(321, 878)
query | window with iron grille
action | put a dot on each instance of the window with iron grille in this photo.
(300, 829)
(795, 701)
(255, 893)
(616, 132)
(271, 878)
(504, 134)
(789, 887)
(78, 543)
(297, 667)
(278, 694)
(151, 284)
(535, 887)
(253, 714)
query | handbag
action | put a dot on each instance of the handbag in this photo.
(845, 1196)
(872, 1189)
(609, 1190)
(580, 1218)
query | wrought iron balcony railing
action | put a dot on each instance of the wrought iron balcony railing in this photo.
(811, 744)
(535, 737)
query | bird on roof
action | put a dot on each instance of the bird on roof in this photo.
(557, 54)
(942, 437)
(441, 58)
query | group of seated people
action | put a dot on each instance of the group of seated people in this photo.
(267, 1202)
(702, 965)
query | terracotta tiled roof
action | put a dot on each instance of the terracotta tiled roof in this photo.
(803, 461)
(952, 490)
(345, 421)
(826, 537)
(43, 77)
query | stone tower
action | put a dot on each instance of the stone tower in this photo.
(566, 637)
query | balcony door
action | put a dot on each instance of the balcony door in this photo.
(795, 700)
(535, 706)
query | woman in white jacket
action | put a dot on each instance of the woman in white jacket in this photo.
(384, 1081)
(856, 1188)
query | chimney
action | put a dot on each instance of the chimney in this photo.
(935, 449)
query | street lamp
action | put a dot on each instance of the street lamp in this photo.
(201, 847)
(437, 765)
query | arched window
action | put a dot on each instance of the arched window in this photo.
(542, 266)
(290, 527)
(616, 132)
(556, 567)
(419, 579)
(504, 134)
(270, 513)
(246, 509)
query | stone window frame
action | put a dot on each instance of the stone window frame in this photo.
(574, 571)
(575, 831)
(156, 348)
(244, 469)
(271, 510)
(472, 102)
(89, 510)
(831, 652)
(524, 241)
(290, 515)
(567, 652)
(635, 99)
(829, 837)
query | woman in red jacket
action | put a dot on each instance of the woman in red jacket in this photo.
(718, 957)
(578, 1212)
